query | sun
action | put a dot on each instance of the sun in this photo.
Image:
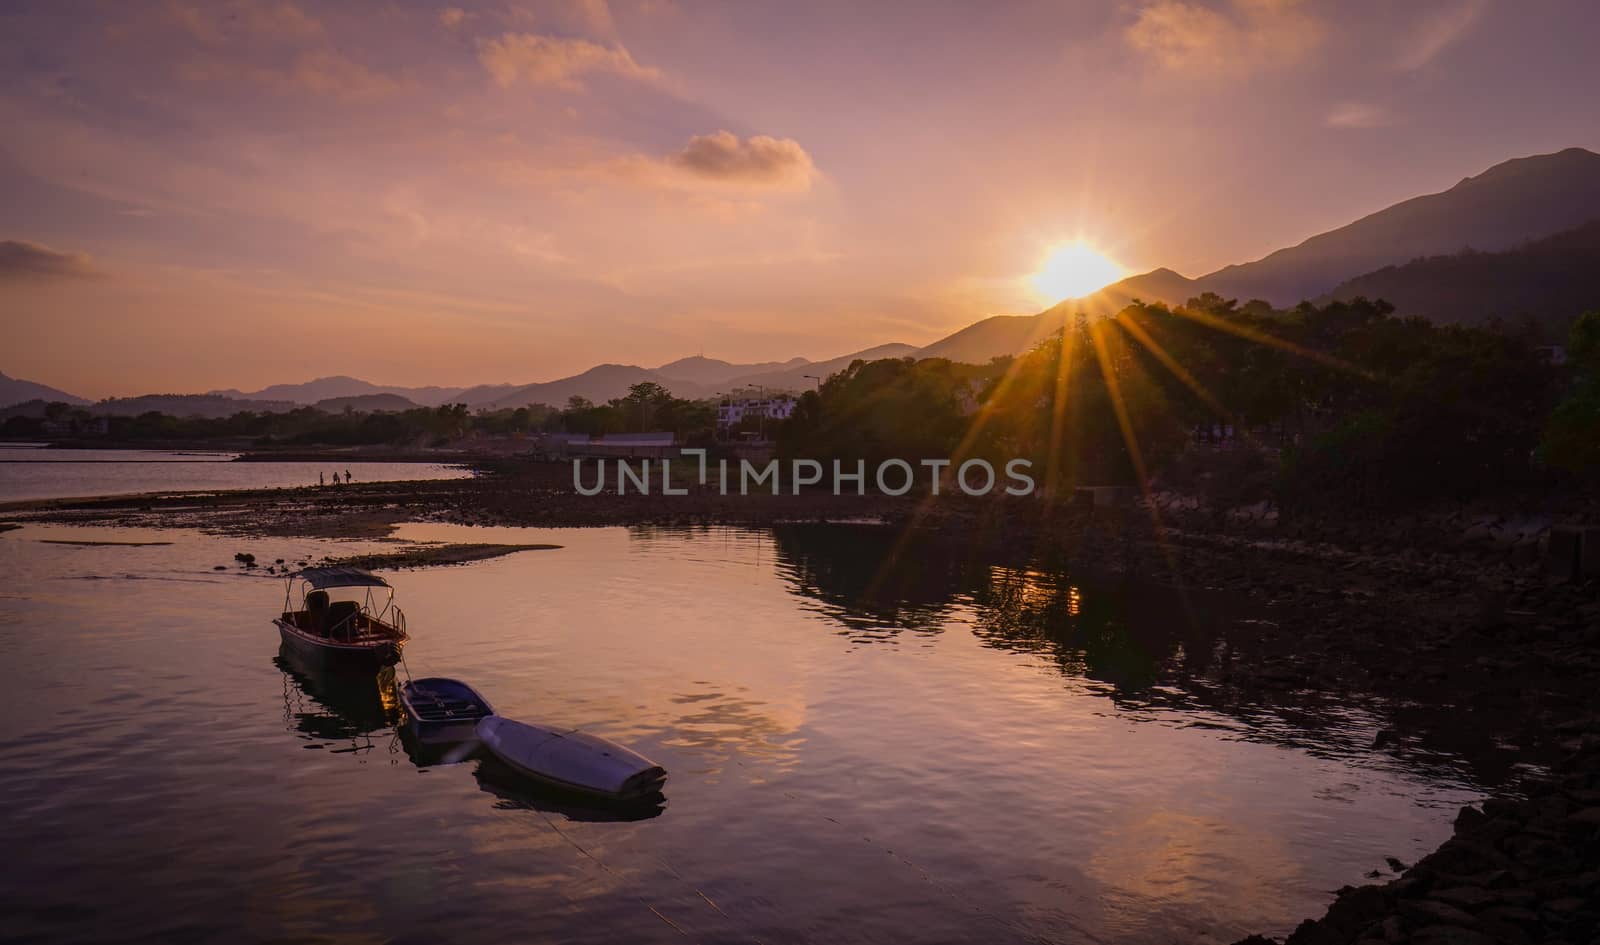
(1074, 270)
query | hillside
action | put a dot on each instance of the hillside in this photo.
(598, 384)
(705, 371)
(1552, 280)
(1507, 205)
(1000, 335)
(793, 376)
(15, 391)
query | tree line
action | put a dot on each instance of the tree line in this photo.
(647, 407)
(1339, 403)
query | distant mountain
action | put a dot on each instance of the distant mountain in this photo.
(16, 391)
(793, 376)
(606, 381)
(1505, 206)
(705, 371)
(325, 388)
(1551, 280)
(598, 384)
(210, 406)
(366, 403)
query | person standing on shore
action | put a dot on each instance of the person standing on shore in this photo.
(347, 477)
(322, 480)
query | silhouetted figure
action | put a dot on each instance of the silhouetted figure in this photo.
(347, 477)
(321, 480)
(336, 477)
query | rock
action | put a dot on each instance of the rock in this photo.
(1588, 817)
(1470, 898)
(1469, 818)
(1433, 912)
(1449, 935)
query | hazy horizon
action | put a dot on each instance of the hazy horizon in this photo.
(233, 195)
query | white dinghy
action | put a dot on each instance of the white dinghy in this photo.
(570, 759)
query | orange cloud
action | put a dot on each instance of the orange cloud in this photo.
(550, 60)
(1250, 34)
(1360, 115)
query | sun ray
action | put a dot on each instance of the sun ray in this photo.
(1270, 340)
(1142, 335)
(1058, 407)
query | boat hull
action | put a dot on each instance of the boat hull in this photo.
(571, 760)
(328, 654)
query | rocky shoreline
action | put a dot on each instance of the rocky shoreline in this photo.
(1521, 870)
(1472, 650)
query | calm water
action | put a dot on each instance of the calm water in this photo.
(32, 473)
(943, 751)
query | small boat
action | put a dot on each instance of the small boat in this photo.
(443, 710)
(572, 760)
(359, 631)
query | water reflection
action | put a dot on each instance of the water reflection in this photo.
(332, 707)
(361, 713)
(1146, 646)
(1023, 753)
(875, 590)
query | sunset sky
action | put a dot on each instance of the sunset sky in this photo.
(232, 194)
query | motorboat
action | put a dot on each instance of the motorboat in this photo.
(442, 710)
(343, 619)
(572, 760)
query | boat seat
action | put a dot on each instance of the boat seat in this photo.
(340, 621)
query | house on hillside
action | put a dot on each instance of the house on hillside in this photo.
(732, 412)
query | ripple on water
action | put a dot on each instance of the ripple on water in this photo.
(939, 750)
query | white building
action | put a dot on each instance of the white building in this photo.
(731, 413)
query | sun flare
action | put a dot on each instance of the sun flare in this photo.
(1074, 270)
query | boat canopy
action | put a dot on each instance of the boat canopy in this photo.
(340, 577)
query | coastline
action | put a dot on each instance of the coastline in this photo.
(1471, 648)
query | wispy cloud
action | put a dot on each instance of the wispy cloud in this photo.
(321, 72)
(551, 60)
(1234, 39)
(1440, 30)
(21, 261)
(1360, 115)
(452, 17)
(257, 19)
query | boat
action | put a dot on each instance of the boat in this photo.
(361, 630)
(572, 760)
(512, 791)
(443, 710)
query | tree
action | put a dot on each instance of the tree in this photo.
(1572, 437)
